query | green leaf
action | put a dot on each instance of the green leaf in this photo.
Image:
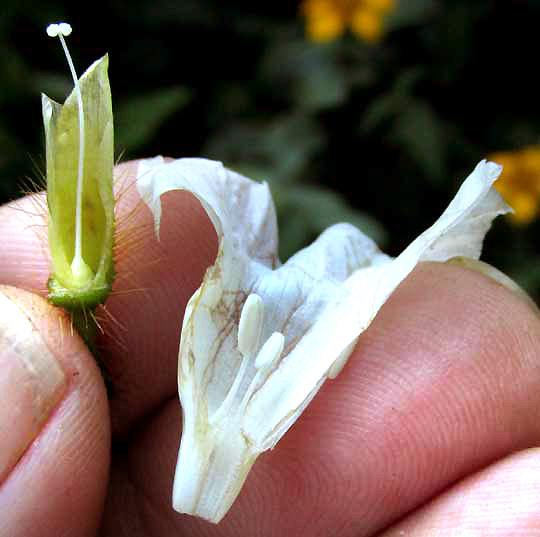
(420, 132)
(311, 75)
(138, 118)
(290, 143)
(410, 12)
(379, 110)
(281, 148)
(306, 211)
(390, 104)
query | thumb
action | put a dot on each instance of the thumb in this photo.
(54, 423)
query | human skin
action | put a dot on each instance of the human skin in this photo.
(432, 429)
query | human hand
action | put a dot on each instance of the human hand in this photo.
(426, 432)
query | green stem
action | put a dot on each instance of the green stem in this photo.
(84, 321)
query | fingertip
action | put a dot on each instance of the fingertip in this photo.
(500, 500)
(23, 232)
(56, 484)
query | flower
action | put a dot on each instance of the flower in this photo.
(79, 149)
(520, 182)
(254, 348)
(327, 20)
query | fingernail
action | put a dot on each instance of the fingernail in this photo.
(31, 384)
(496, 275)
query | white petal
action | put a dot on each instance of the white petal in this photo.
(459, 231)
(299, 326)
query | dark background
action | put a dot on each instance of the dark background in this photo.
(379, 135)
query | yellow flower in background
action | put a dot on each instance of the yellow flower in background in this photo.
(328, 19)
(519, 183)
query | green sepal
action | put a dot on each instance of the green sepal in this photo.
(77, 299)
(62, 150)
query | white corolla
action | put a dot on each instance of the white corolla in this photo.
(260, 338)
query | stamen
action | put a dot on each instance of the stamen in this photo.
(268, 355)
(270, 351)
(231, 394)
(249, 333)
(250, 325)
(79, 268)
(53, 30)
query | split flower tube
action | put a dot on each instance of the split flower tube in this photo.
(255, 345)
(80, 158)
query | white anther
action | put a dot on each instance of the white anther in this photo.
(62, 28)
(250, 325)
(53, 30)
(270, 351)
(339, 363)
(65, 28)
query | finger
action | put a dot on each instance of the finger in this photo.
(23, 231)
(444, 382)
(501, 500)
(141, 320)
(155, 280)
(54, 424)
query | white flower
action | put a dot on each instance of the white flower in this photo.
(260, 338)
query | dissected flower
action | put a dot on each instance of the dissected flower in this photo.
(520, 182)
(327, 20)
(260, 338)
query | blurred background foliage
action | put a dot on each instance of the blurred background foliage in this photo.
(367, 111)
